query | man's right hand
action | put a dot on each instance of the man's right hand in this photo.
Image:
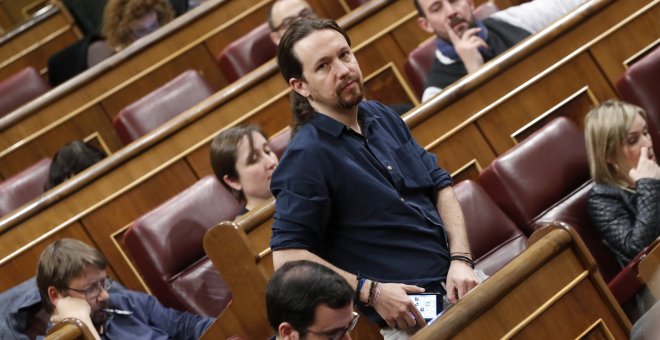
(71, 307)
(467, 47)
(396, 308)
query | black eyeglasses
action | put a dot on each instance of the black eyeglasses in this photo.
(286, 22)
(338, 334)
(95, 289)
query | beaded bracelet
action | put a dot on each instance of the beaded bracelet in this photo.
(462, 258)
(372, 290)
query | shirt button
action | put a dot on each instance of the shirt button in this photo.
(402, 199)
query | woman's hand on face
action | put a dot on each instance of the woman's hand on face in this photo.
(646, 168)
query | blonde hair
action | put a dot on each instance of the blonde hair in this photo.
(119, 14)
(606, 128)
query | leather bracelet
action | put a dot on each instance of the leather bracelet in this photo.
(462, 258)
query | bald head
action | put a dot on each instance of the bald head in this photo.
(285, 12)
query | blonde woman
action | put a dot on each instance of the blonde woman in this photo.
(623, 204)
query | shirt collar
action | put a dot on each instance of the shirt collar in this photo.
(335, 128)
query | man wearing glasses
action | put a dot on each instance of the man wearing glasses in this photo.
(72, 282)
(283, 13)
(306, 300)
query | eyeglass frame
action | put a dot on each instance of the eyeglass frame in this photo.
(101, 285)
(287, 21)
(340, 333)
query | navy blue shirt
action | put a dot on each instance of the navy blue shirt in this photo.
(365, 203)
(150, 319)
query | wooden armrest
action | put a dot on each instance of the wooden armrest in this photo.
(70, 328)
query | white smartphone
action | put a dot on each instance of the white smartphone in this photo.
(429, 304)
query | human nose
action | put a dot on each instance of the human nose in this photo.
(450, 10)
(103, 295)
(647, 141)
(271, 161)
(342, 69)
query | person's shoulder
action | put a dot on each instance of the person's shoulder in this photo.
(604, 189)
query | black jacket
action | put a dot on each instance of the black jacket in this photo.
(628, 221)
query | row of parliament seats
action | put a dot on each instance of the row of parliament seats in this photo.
(497, 232)
(371, 19)
(498, 223)
(105, 225)
(191, 41)
(166, 244)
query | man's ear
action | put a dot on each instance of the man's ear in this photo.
(423, 23)
(299, 86)
(287, 332)
(232, 183)
(53, 295)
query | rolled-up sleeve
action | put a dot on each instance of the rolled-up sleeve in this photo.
(302, 203)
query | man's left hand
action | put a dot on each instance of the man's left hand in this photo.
(460, 280)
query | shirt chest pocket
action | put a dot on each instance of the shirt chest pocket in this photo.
(410, 168)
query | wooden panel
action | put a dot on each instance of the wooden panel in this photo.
(37, 55)
(95, 120)
(35, 32)
(23, 265)
(470, 170)
(388, 86)
(574, 107)
(649, 271)
(632, 37)
(409, 29)
(457, 149)
(525, 104)
(120, 210)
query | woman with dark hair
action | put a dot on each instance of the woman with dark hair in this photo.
(244, 163)
(71, 159)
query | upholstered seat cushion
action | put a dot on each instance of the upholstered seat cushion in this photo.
(159, 106)
(538, 172)
(21, 88)
(247, 53)
(24, 186)
(494, 238)
(166, 245)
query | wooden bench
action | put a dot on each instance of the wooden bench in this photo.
(35, 40)
(551, 290)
